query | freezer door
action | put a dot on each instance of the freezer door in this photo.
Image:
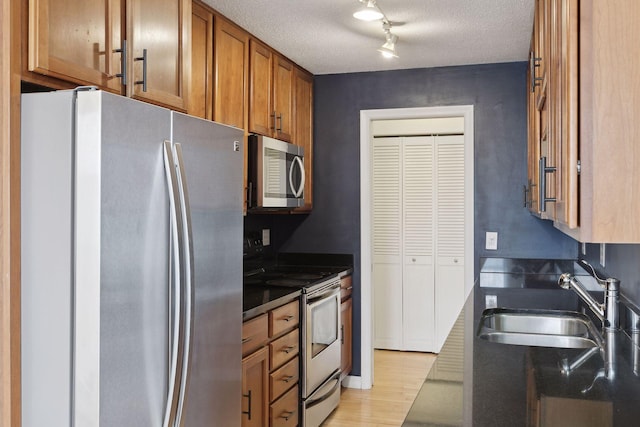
(122, 262)
(212, 164)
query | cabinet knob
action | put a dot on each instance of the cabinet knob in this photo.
(413, 260)
(455, 260)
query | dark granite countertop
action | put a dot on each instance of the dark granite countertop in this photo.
(483, 384)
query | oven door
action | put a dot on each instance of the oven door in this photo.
(322, 347)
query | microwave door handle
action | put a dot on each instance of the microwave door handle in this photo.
(296, 192)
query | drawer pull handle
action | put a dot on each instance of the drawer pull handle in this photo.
(288, 318)
(287, 414)
(248, 412)
(246, 340)
(289, 349)
(287, 379)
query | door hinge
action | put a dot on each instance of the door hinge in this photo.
(579, 166)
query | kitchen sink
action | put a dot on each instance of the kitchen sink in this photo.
(539, 328)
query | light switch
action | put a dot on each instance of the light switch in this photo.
(491, 242)
(266, 237)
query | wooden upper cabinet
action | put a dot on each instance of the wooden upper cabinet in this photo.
(231, 63)
(303, 130)
(261, 118)
(82, 41)
(283, 75)
(201, 93)
(271, 93)
(162, 29)
(75, 40)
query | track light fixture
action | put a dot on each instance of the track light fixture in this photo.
(369, 12)
(372, 12)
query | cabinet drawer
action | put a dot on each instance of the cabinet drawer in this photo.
(284, 411)
(254, 334)
(284, 318)
(283, 349)
(282, 379)
(346, 287)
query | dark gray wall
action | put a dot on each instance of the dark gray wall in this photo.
(622, 262)
(496, 91)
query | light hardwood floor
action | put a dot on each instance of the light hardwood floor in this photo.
(397, 378)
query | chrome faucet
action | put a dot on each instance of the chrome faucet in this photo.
(607, 312)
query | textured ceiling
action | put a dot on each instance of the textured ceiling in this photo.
(323, 37)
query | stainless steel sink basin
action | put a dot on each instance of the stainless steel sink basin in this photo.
(539, 328)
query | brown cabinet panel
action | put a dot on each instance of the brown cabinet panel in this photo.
(231, 73)
(346, 313)
(75, 40)
(255, 373)
(284, 349)
(346, 287)
(254, 334)
(163, 29)
(283, 379)
(283, 74)
(303, 130)
(284, 412)
(201, 93)
(284, 318)
(261, 118)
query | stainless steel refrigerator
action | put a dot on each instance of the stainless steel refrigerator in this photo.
(131, 264)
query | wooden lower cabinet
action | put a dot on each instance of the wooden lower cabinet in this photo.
(284, 411)
(255, 388)
(346, 316)
(346, 309)
(272, 369)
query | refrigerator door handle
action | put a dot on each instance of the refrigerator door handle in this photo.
(175, 297)
(188, 284)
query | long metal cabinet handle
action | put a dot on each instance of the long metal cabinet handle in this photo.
(188, 284)
(534, 62)
(175, 294)
(123, 62)
(297, 161)
(542, 175)
(248, 412)
(143, 58)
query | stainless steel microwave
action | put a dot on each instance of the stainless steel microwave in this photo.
(276, 174)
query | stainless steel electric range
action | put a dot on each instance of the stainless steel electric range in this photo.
(320, 326)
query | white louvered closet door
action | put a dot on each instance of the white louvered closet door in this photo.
(450, 201)
(387, 243)
(418, 249)
(418, 240)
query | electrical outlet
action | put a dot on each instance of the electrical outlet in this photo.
(584, 248)
(266, 237)
(491, 301)
(491, 242)
(603, 254)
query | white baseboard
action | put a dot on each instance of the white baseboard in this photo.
(351, 381)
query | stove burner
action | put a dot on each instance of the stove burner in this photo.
(287, 282)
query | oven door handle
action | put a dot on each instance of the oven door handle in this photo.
(335, 377)
(332, 291)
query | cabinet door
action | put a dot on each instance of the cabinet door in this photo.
(346, 313)
(255, 389)
(163, 29)
(261, 117)
(74, 40)
(283, 74)
(303, 131)
(231, 71)
(201, 94)
(566, 25)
